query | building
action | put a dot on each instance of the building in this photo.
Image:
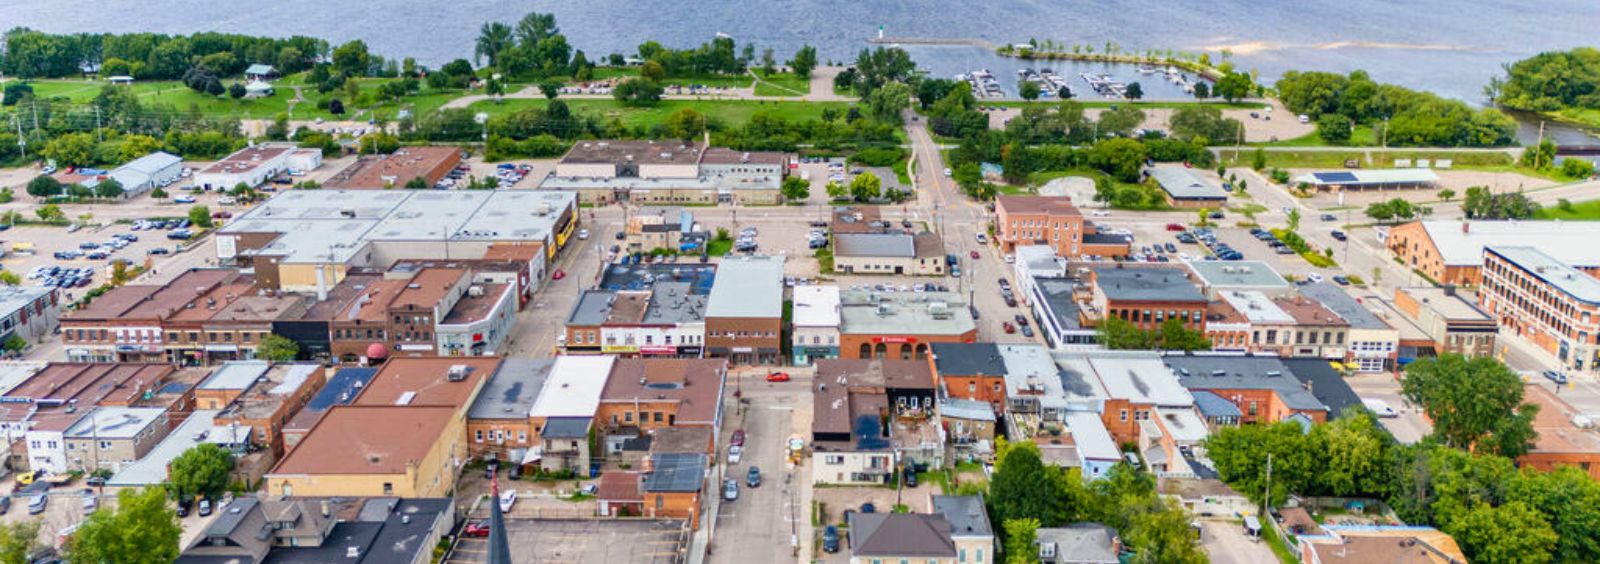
(498, 425)
(151, 469)
(1544, 301)
(1565, 437)
(308, 240)
(816, 323)
(1185, 188)
(481, 321)
(666, 321)
(29, 312)
(1362, 544)
(251, 166)
(901, 325)
(849, 440)
(564, 412)
(668, 173)
(1369, 179)
(398, 316)
(1263, 389)
(397, 170)
(908, 538)
(1039, 220)
(971, 371)
(1451, 251)
(112, 438)
(227, 323)
(1078, 543)
(972, 423)
(375, 450)
(661, 228)
(1374, 344)
(1147, 296)
(147, 172)
(645, 395)
(969, 526)
(125, 324)
(673, 485)
(256, 530)
(744, 313)
(896, 253)
(1318, 332)
(342, 388)
(1217, 276)
(261, 399)
(1454, 323)
(1054, 292)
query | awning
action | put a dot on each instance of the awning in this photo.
(533, 455)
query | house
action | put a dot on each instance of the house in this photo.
(816, 323)
(744, 314)
(1451, 251)
(1186, 188)
(1454, 323)
(112, 438)
(147, 172)
(563, 414)
(972, 423)
(901, 325)
(260, 73)
(909, 538)
(1078, 543)
(673, 485)
(255, 530)
(969, 526)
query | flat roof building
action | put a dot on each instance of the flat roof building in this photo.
(901, 324)
(744, 314)
(251, 166)
(147, 172)
(1451, 251)
(396, 170)
(1147, 296)
(668, 172)
(1454, 323)
(1364, 179)
(816, 323)
(1186, 188)
(1247, 275)
(1263, 388)
(1545, 301)
(29, 312)
(374, 450)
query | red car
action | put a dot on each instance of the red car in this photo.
(475, 529)
(778, 377)
(1008, 327)
(738, 438)
(558, 274)
(222, 215)
(1174, 227)
(975, 255)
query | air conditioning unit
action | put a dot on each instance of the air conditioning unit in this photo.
(458, 372)
(1047, 550)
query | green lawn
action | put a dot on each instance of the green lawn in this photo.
(729, 112)
(1361, 136)
(1584, 116)
(782, 84)
(1581, 211)
(180, 97)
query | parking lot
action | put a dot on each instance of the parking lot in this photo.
(76, 260)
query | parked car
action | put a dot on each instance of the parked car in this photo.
(1022, 320)
(5, 504)
(1380, 408)
(738, 438)
(90, 502)
(1329, 217)
(730, 489)
(830, 539)
(1342, 280)
(508, 499)
(583, 234)
(185, 505)
(974, 310)
(1337, 234)
(205, 507)
(911, 477)
(753, 477)
(778, 377)
(159, 251)
(1175, 227)
(1314, 277)
(38, 503)
(558, 274)
(475, 529)
(1008, 327)
(1027, 331)
(184, 199)
(735, 453)
(1555, 376)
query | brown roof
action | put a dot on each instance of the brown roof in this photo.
(372, 304)
(628, 308)
(206, 306)
(1055, 205)
(471, 308)
(282, 307)
(89, 384)
(1309, 312)
(723, 155)
(844, 220)
(368, 439)
(514, 251)
(154, 302)
(926, 245)
(1557, 433)
(638, 152)
(1388, 549)
(341, 295)
(427, 381)
(619, 486)
(430, 163)
(428, 287)
(694, 384)
(876, 375)
(1219, 311)
(693, 439)
(248, 158)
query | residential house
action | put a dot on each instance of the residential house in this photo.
(908, 538)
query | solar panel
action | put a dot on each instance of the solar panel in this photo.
(1335, 177)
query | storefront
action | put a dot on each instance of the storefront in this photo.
(805, 356)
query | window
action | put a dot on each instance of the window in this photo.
(388, 488)
(628, 417)
(833, 460)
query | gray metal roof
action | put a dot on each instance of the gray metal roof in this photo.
(966, 409)
(1058, 296)
(896, 245)
(150, 164)
(566, 428)
(673, 302)
(1559, 275)
(1080, 542)
(152, 468)
(1337, 300)
(1244, 273)
(968, 359)
(1156, 284)
(510, 392)
(592, 308)
(1212, 405)
(235, 375)
(13, 298)
(1185, 184)
(676, 472)
(1233, 372)
(748, 287)
(966, 514)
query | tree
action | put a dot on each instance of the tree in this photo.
(837, 190)
(866, 186)
(200, 216)
(1240, 455)
(495, 89)
(1122, 158)
(44, 186)
(1162, 533)
(1235, 86)
(535, 27)
(1334, 128)
(1294, 219)
(378, 143)
(141, 530)
(1176, 336)
(653, 71)
(108, 189)
(550, 87)
(352, 59)
(886, 103)
(768, 63)
(1446, 194)
(1023, 488)
(51, 213)
(1133, 92)
(10, 278)
(15, 91)
(1474, 404)
(1355, 448)
(417, 183)
(72, 149)
(796, 189)
(1121, 120)
(1020, 536)
(158, 193)
(638, 92)
(1202, 90)
(119, 273)
(493, 38)
(1258, 161)
(18, 540)
(202, 470)
(236, 90)
(1028, 90)
(336, 107)
(804, 61)
(1510, 533)
(685, 123)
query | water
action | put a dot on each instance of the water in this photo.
(1452, 47)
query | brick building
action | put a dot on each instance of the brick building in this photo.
(1544, 301)
(901, 325)
(1451, 251)
(1147, 296)
(744, 313)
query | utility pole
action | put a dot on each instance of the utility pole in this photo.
(1266, 497)
(100, 137)
(1539, 156)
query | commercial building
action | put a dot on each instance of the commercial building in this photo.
(342, 388)
(901, 325)
(480, 323)
(1544, 301)
(673, 486)
(396, 170)
(1039, 220)
(816, 323)
(375, 450)
(564, 412)
(1317, 332)
(744, 313)
(152, 468)
(898, 253)
(308, 240)
(498, 426)
(255, 165)
(1369, 179)
(1566, 436)
(1451, 251)
(227, 323)
(849, 437)
(398, 316)
(124, 325)
(1455, 324)
(643, 395)
(971, 371)
(1374, 344)
(1146, 296)
(661, 228)
(1217, 276)
(29, 312)
(1185, 188)
(1263, 389)
(1053, 292)
(112, 438)
(900, 537)
(147, 172)
(668, 172)
(261, 399)
(45, 400)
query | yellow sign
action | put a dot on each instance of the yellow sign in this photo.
(621, 349)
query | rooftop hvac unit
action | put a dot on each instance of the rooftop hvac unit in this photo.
(458, 372)
(475, 291)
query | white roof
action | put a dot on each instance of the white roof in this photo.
(13, 298)
(151, 163)
(1182, 423)
(1139, 377)
(1369, 176)
(1571, 242)
(1030, 367)
(1568, 280)
(574, 386)
(1256, 306)
(749, 287)
(14, 372)
(235, 375)
(1089, 434)
(816, 306)
(114, 422)
(152, 469)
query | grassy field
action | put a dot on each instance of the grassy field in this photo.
(729, 112)
(175, 95)
(1579, 211)
(782, 84)
(1361, 136)
(1582, 116)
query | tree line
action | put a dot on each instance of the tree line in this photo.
(1406, 117)
(150, 56)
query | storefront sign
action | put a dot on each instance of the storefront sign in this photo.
(894, 339)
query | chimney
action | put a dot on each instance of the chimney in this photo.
(1116, 545)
